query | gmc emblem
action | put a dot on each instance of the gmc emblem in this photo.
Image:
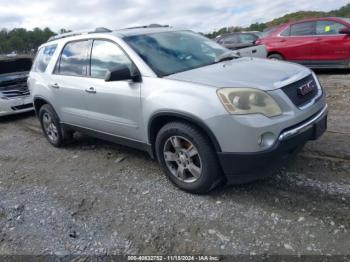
(307, 88)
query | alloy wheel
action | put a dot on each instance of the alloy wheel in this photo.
(50, 128)
(182, 159)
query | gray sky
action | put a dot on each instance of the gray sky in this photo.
(200, 15)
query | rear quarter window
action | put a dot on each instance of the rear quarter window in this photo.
(43, 58)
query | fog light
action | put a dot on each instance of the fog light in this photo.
(267, 139)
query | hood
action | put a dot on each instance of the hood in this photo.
(245, 72)
(13, 81)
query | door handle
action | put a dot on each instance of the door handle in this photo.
(283, 40)
(91, 90)
(55, 85)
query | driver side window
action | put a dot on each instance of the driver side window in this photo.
(106, 56)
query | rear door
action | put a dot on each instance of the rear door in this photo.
(329, 43)
(298, 46)
(113, 107)
(69, 82)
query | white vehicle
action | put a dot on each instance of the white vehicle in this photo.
(258, 51)
(14, 93)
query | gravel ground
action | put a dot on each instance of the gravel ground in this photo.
(93, 197)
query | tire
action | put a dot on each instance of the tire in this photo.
(52, 128)
(275, 57)
(176, 147)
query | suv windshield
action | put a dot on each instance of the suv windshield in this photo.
(172, 52)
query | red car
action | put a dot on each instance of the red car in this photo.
(317, 43)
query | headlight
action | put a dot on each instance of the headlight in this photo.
(242, 101)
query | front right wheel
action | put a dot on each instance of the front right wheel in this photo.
(187, 157)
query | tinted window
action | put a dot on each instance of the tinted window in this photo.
(269, 31)
(248, 38)
(286, 32)
(105, 56)
(328, 27)
(307, 28)
(43, 58)
(74, 59)
(232, 39)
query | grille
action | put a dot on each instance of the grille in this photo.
(14, 89)
(295, 94)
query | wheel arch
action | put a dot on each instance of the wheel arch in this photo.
(159, 119)
(39, 102)
(276, 53)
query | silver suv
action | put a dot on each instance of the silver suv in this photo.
(207, 115)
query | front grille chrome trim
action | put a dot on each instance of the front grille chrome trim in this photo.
(303, 127)
(291, 91)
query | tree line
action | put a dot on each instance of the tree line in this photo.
(22, 41)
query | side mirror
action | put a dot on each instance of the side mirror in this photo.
(345, 30)
(123, 72)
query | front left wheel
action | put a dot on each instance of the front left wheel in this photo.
(187, 157)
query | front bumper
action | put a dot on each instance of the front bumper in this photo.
(246, 167)
(16, 105)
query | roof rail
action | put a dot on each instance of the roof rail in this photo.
(96, 30)
(146, 26)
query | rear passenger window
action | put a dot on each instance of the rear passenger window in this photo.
(43, 58)
(307, 28)
(232, 39)
(74, 59)
(328, 28)
(105, 56)
(248, 38)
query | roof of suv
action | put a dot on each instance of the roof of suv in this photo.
(141, 30)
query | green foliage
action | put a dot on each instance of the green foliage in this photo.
(257, 27)
(21, 41)
(342, 12)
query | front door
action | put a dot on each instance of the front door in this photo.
(299, 44)
(113, 107)
(329, 44)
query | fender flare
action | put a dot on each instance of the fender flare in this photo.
(186, 117)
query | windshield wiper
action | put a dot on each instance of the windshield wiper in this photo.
(227, 56)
